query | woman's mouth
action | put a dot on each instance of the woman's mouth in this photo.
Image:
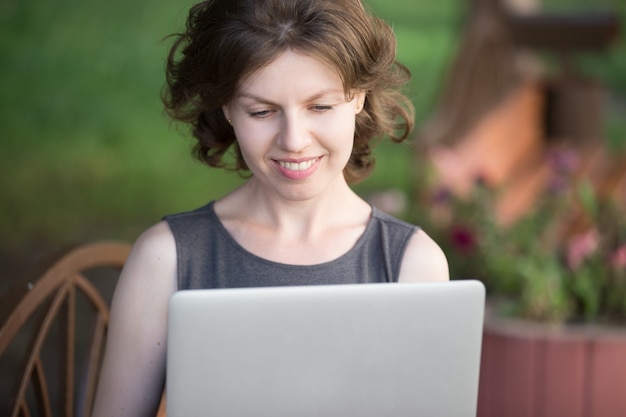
(297, 166)
(296, 170)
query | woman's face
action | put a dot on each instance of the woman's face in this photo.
(294, 126)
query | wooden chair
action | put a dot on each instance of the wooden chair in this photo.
(53, 328)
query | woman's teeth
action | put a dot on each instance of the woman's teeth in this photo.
(297, 166)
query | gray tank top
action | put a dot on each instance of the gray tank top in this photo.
(208, 256)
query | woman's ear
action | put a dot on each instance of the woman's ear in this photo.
(359, 99)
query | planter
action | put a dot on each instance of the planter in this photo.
(535, 370)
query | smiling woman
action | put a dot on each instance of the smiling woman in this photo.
(295, 127)
(210, 74)
(299, 90)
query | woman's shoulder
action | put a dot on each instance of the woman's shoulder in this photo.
(203, 210)
(156, 242)
(423, 260)
(195, 226)
(389, 220)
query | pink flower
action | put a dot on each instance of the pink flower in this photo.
(618, 258)
(581, 246)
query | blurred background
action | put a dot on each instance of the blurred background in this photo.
(86, 152)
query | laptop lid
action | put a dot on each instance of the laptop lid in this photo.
(344, 350)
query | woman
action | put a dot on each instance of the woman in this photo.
(298, 90)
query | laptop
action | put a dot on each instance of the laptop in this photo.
(362, 350)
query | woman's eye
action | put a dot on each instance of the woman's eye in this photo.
(322, 108)
(261, 114)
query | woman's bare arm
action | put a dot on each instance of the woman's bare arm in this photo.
(133, 372)
(423, 260)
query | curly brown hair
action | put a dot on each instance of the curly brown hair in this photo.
(225, 41)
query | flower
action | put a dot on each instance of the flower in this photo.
(563, 261)
(464, 239)
(563, 160)
(580, 247)
(442, 196)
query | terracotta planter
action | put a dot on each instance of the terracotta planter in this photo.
(533, 370)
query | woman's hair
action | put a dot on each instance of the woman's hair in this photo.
(225, 41)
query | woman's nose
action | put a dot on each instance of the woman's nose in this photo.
(294, 135)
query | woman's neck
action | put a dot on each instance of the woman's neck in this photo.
(251, 203)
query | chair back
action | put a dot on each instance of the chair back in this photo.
(53, 328)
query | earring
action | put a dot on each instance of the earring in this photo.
(229, 122)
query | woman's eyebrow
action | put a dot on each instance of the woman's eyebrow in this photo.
(253, 97)
(318, 95)
(326, 92)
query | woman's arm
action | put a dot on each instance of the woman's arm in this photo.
(423, 260)
(133, 372)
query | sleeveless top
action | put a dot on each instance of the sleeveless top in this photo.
(209, 257)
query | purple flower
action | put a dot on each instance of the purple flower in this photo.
(463, 239)
(442, 196)
(563, 160)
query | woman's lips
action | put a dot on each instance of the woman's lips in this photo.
(293, 169)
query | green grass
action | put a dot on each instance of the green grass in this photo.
(85, 150)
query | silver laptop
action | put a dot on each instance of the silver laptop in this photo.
(363, 350)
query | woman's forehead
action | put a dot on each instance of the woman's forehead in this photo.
(296, 70)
